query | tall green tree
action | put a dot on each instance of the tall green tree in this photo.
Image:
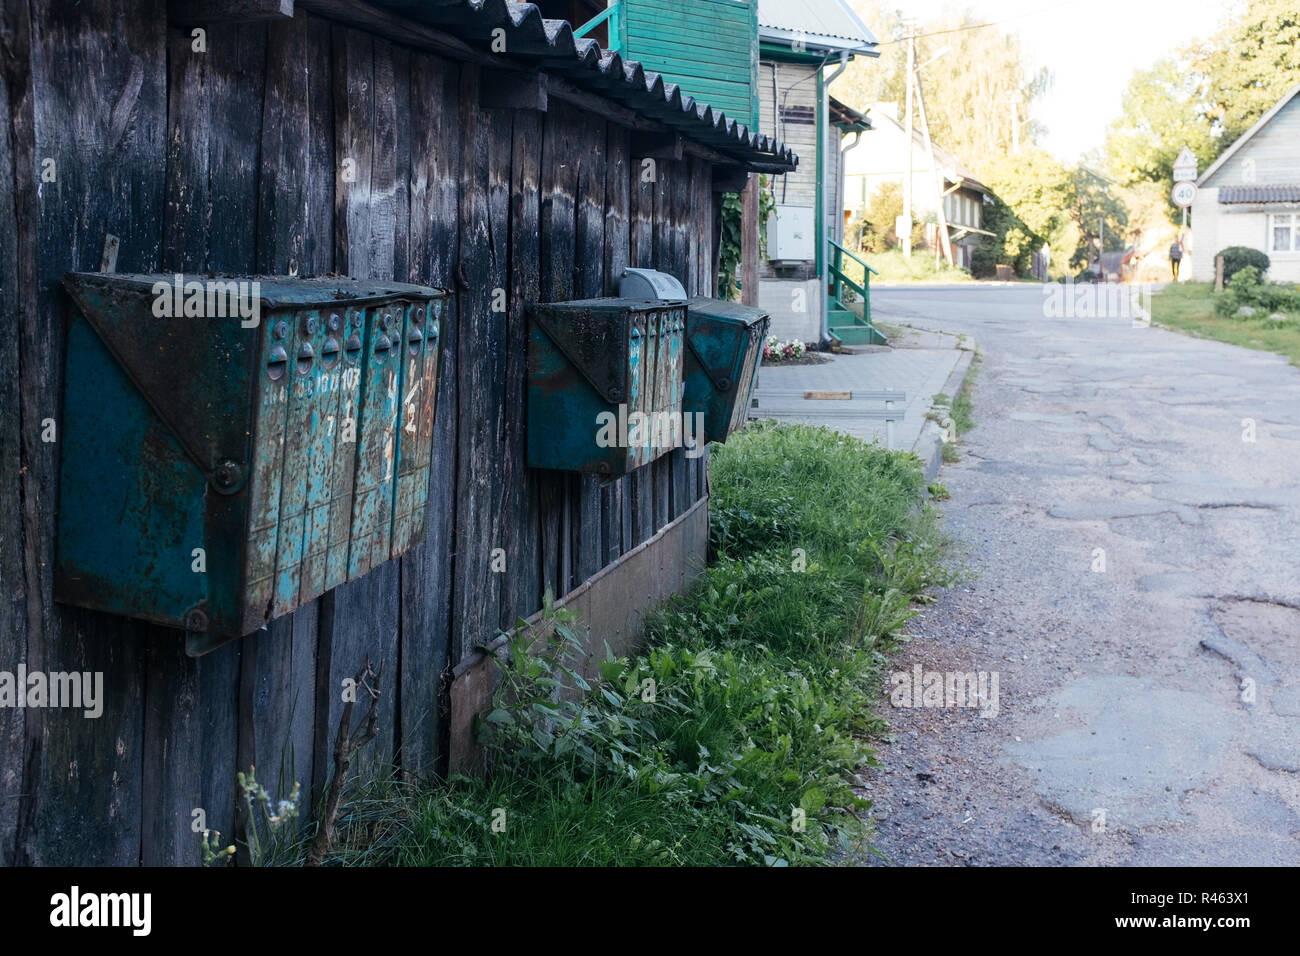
(1207, 96)
(1040, 191)
(1161, 112)
(1246, 67)
(974, 94)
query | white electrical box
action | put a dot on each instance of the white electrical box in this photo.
(791, 234)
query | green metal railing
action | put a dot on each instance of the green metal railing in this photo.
(859, 327)
(612, 13)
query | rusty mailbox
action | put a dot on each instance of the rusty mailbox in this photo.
(234, 447)
(604, 383)
(724, 346)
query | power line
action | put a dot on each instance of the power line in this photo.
(981, 26)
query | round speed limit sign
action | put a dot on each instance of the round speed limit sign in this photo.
(1184, 194)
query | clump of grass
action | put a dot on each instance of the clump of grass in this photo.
(735, 736)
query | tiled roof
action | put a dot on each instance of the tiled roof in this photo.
(1252, 194)
(552, 45)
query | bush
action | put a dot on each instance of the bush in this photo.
(1236, 258)
(1246, 288)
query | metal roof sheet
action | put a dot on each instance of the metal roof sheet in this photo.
(815, 18)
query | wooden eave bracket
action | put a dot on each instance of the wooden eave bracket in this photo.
(228, 11)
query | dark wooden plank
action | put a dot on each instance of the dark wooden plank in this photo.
(426, 571)
(354, 132)
(17, 258)
(641, 254)
(191, 742)
(295, 209)
(662, 236)
(590, 524)
(521, 587)
(173, 744)
(218, 700)
(359, 619)
(295, 192)
(557, 249)
(484, 261)
(212, 161)
(99, 109)
(618, 200)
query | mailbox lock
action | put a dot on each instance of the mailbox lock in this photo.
(336, 322)
(281, 329)
(277, 362)
(616, 394)
(227, 475)
(387, 321)
(419, 315)
(724, 384)
(329, 353)
(196, 620)
(309, 325)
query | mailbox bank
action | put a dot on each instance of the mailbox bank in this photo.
(223, 465)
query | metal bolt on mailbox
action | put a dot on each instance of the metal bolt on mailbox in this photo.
(604, 383)
(235, 447)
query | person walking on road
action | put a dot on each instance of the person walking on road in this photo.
(1175, 257)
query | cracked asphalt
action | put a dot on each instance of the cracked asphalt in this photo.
(1127, 513)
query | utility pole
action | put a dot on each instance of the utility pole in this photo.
(942, 236)
(906, 221)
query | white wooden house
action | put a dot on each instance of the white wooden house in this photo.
(1250, 196)
(866, 170)
(804, 45)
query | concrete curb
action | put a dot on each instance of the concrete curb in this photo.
(929, 444)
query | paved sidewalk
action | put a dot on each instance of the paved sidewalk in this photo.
(918, 372)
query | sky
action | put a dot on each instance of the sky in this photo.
(1092, 48)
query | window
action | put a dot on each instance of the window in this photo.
(1282, 232)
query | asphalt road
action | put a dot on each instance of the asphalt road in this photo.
(1128, 511)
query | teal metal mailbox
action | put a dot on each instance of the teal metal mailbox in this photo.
(724, 346)
(604, 383)
(232, 448)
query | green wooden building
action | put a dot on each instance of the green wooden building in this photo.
(707, 47)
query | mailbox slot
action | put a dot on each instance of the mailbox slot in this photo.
(724, 347)
(604, 383)
(221, 468)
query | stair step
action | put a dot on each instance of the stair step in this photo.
(857, 335)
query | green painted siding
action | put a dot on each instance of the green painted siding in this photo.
(708, 47)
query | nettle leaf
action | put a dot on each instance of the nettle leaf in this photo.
(813, 799)
(500, 716)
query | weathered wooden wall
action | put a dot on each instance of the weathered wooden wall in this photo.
(227, 161)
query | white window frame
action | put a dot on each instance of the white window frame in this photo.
(1295, 232)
